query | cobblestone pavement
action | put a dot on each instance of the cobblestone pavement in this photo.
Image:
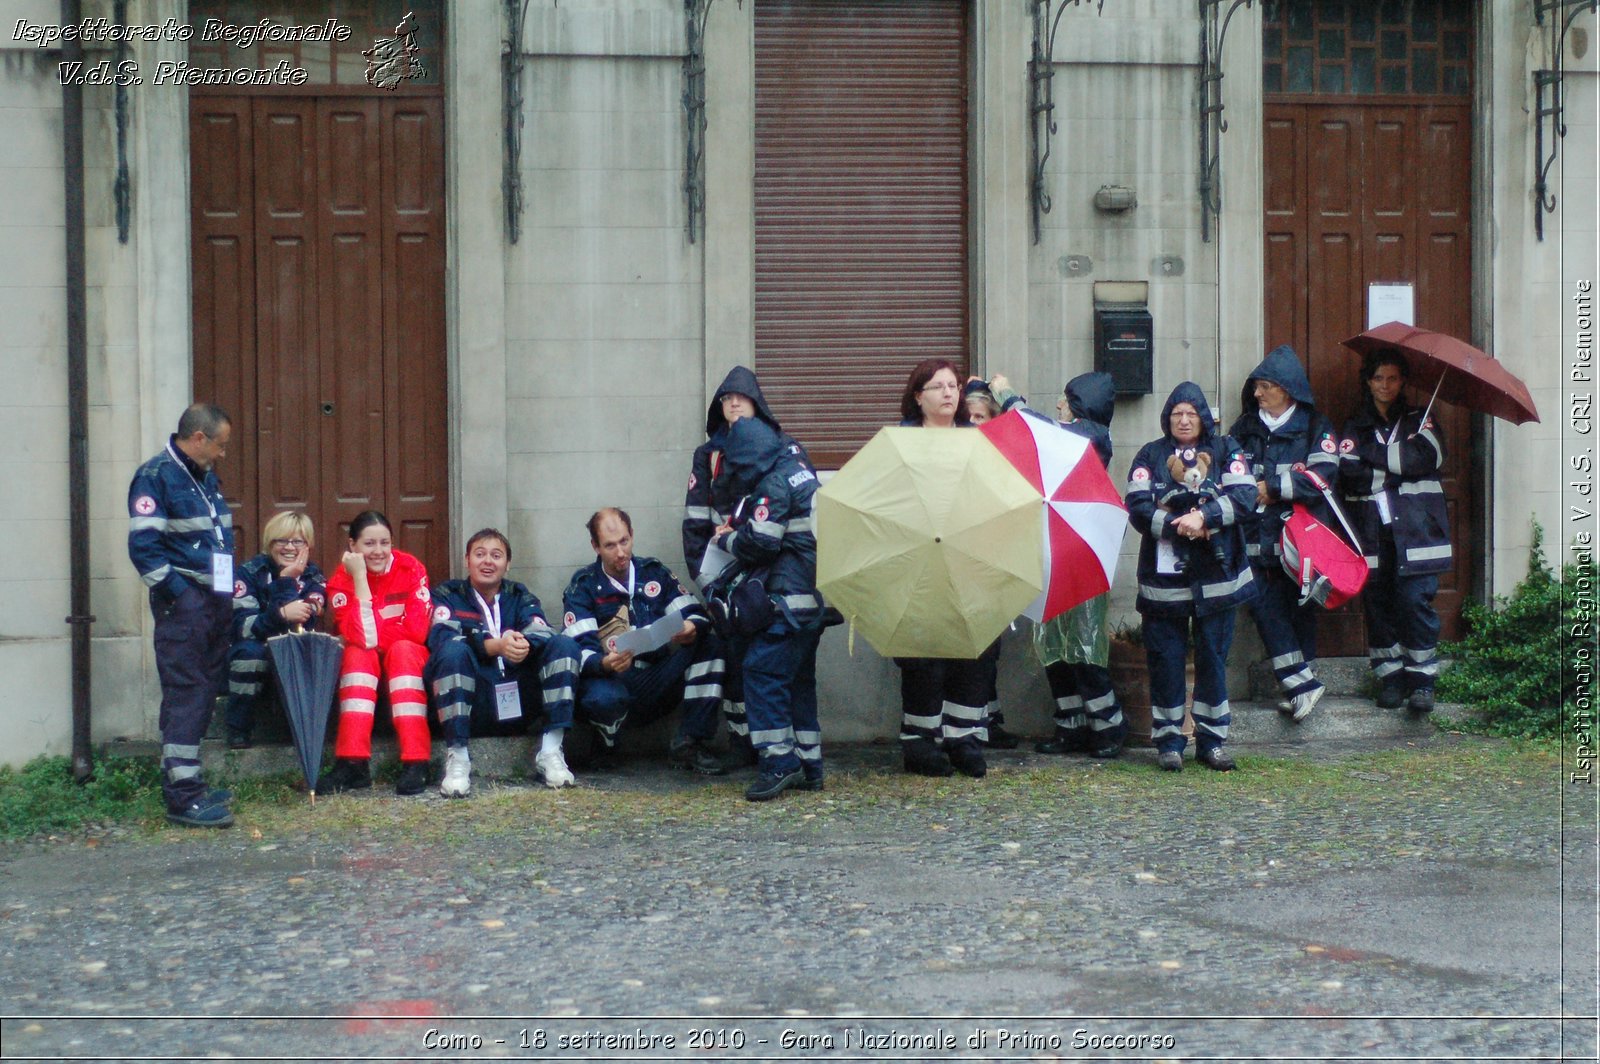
(1421, 902)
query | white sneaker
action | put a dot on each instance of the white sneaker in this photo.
(457, 782)
(1305, 703)
(552, 768)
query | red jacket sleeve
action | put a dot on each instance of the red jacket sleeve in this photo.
(348, 614)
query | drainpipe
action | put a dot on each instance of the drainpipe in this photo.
(77, 397)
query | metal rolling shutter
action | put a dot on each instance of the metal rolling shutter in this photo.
(861, 208)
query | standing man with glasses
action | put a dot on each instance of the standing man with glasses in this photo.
(180, 538)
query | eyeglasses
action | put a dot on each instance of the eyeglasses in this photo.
(941, 387)
(295, 543)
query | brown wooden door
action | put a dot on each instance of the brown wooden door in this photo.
(1359, 191)
(319, 309)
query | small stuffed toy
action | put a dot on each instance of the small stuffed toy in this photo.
(1191, 467)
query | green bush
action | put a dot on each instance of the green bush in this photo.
(42, 797)
(1515, 662)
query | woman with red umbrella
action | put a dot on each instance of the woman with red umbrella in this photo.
(1389, 461)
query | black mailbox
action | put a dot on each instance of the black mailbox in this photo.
(1123, 345)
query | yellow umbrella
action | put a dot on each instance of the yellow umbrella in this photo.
(929, 541)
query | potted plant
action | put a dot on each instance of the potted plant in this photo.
(1130, 679)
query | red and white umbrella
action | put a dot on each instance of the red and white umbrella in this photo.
(1084, 518)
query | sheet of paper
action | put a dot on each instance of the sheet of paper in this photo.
(1167, 561)
(643, 640)
(1391, 302)
(713, 563)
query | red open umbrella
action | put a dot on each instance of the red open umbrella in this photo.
(1084, 517)
(1456, 371)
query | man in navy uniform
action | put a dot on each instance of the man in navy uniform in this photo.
(180, 538)
(489, 650)
(619, 592)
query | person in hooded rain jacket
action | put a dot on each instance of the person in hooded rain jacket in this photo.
(1389, 461)
(1088, 718)
(769, 532)
(1293, 454)
(1187, 490)
(710, 498)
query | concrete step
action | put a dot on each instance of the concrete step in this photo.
(496, 758)
(1349, 677)
(1336, 717)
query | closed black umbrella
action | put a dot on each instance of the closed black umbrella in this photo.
(307, 667)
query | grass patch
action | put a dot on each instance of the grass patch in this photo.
(43, 799)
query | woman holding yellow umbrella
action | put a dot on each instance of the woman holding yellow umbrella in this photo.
(942, 700)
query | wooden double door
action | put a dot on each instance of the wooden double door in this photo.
(1361, 191)
(318, 267)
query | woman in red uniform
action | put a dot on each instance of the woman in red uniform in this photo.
(380, 602)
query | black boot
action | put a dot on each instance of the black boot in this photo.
(348, 774)
(967, 757)
(924, 758)
(1000, 739)
(1065, 741)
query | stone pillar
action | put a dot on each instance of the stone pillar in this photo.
(729, 238)
(999, 196)
(475, 272)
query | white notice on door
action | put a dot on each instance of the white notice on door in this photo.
(1388, 302)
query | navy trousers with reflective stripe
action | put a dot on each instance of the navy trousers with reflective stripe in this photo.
(461, 688)
(1288, 631)
(191, 640)
(248, 669)
(1084, 700)
(1166, 641)
(780, 698)
(691, 674)
(943, 698)
(1402, 626)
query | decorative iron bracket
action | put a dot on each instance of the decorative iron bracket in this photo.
(694, 114)
(511, 66)
(1041, 98)
(1213, 32)
(1547, 101)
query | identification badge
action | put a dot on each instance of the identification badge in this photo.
(222, 573)
(507, 701)
(1167, 561)
(1383, 508)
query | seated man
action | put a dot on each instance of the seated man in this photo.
(491, 653)
(619, 592)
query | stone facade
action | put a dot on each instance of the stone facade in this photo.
(580, 358)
